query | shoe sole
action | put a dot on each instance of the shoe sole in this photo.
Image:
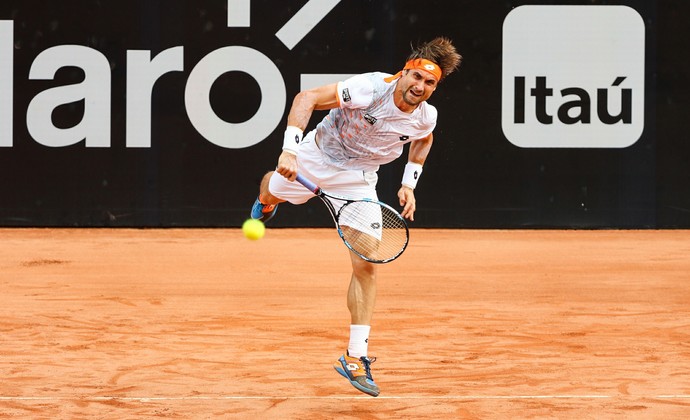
(356, 384)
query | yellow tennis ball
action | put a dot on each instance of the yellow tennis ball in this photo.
(253, 229)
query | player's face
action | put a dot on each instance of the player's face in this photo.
(417, 86)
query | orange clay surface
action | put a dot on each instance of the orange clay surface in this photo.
(470, 324)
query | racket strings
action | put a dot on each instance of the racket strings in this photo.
(376, 232)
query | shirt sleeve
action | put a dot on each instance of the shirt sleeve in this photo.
(430, 115)
(355, 92)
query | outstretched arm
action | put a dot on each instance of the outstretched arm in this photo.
(419, 150)
(304, 104)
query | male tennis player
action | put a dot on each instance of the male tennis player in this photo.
(372, 116)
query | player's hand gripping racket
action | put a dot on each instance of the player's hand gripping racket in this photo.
(371, 229)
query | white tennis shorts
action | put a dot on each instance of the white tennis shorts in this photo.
(310, 163)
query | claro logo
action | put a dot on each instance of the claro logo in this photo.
(143, 71)
(573, 76)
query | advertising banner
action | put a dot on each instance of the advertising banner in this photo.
(154, 113)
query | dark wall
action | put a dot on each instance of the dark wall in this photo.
(474, 177)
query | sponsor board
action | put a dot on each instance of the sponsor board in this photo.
(573, 76)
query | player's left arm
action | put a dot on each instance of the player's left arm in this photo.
(419, 150)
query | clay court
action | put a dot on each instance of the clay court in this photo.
(470, 324)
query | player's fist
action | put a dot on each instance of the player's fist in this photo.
(408, 201)
(287, 165)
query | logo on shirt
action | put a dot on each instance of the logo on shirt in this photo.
(371, 120)
(346, 95)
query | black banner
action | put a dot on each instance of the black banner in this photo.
(168, 113)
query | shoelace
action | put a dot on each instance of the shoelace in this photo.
(367, 365)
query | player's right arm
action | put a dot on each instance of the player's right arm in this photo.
(320, 99)
(303, 106)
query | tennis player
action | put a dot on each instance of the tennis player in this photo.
(372, 116)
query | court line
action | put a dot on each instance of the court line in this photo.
(336, 397)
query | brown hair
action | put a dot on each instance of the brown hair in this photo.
(441, 51)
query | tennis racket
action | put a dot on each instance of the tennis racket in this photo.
(371, 229)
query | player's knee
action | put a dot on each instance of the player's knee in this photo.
(363, 270)
(266, 196)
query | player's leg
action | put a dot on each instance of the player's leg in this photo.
(361, 295)
(275, 189)
(266, 204)
(361, 298)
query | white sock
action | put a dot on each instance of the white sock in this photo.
(359, 340)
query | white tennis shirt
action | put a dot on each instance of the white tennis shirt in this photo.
(367, 129)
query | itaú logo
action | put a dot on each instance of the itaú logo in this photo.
(573, 76)
(143, 71)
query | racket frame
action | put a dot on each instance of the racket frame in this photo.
(324, 196)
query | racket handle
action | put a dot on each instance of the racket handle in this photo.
(307, 183)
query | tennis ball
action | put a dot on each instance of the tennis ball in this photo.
(253, 229)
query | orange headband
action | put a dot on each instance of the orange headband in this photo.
(426, 65)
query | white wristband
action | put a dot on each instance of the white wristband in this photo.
(411, 175)
(292, 139)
